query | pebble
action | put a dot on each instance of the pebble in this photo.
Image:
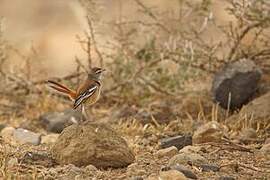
(187, 158)
(186, 171)
(168, 152)
(209, 132)
(172, 175)
(178, 141)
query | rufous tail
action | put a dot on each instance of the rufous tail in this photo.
(63, 89)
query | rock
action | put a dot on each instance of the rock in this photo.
(264, 152)
(267, 141)
(172, 175)
(178, 141)
(20, 136)
(92, 143)
(55, 122)
(24, 136)
(2, 126)
(90, 168)
(69, 172)
(49, 139)
(12, 162)
(226, 178)
(168, 152)
(248, 133)
(136, 178)
(236, 83)
(7, 134)
(209, 132)
(191, 149)
(186, 158)
(186, 171)
(209, 168)
(257, 112)
(247, 136)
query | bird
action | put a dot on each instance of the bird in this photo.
(87, 92)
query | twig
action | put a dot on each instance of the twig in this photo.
(152, 16)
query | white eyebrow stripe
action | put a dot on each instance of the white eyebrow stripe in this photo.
(98, 71)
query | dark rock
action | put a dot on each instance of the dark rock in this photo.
(209, 167)
(186, 171)
(92, 143)
(178, 141)
(226, 178)
(56, 121)
(238, 82)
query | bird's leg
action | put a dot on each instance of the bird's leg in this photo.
(84, 114)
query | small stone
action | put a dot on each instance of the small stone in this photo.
(12, 162)
(2, 126)
(178, 141)
(264, 152)
(92, 143)
(49, 139)
(90, 168)
(186, 171)
(172, 175)
(226, 178)
(249, 133)
(186, 158)
(70, 171)
(247, 136)
(136, 178)
(20, 136)
(191, 149)
(209, 132)
(236, 83)
(26, 137)
(55, 122)
(209, 168)
(267, 141)
(168, 152)
(7, 134)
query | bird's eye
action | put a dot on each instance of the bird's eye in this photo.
(98, 71)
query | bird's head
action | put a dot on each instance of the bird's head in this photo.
(96, 72)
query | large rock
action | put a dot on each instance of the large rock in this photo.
(56, 121)
(92, 143)
(236, 83)
(256, 112)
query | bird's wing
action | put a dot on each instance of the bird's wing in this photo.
(87, 93)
